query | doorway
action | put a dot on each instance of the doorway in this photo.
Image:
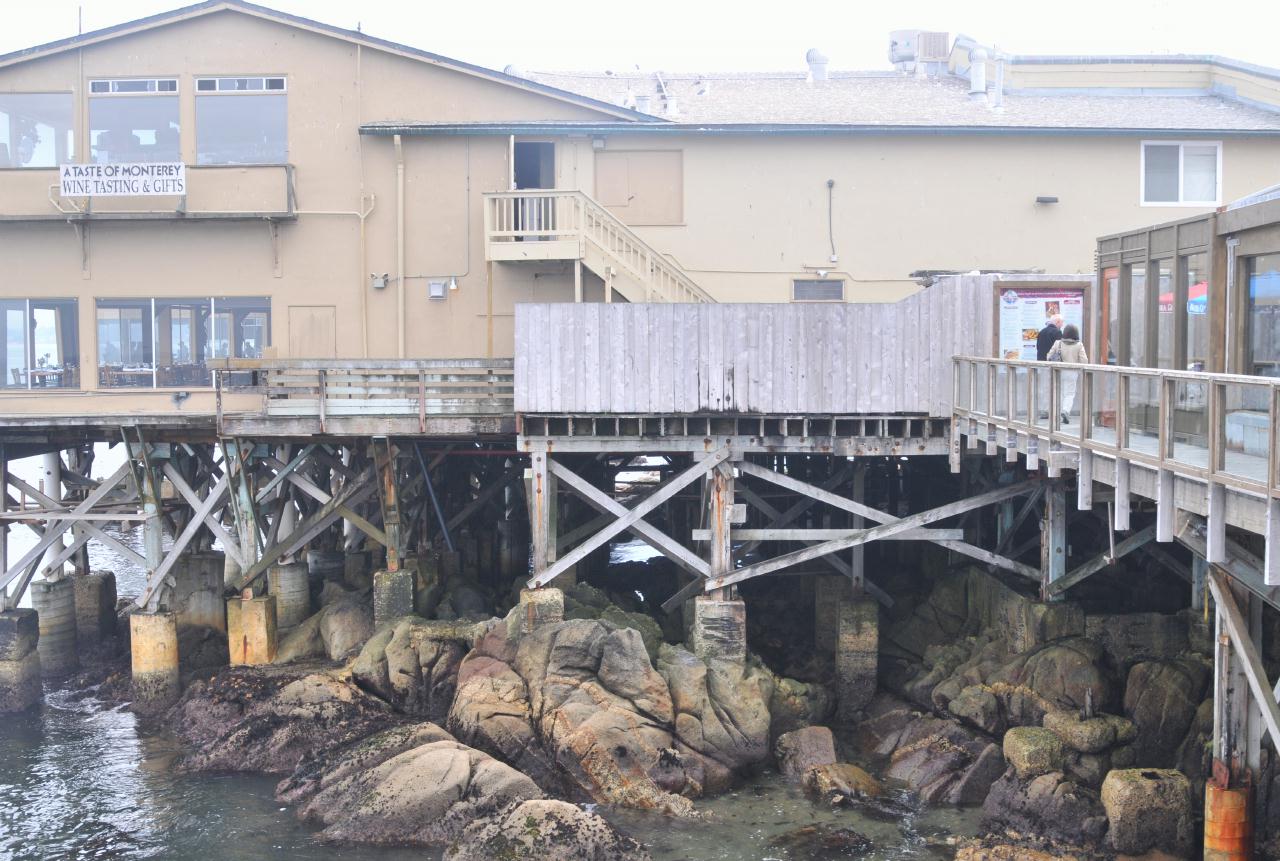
(533, 165)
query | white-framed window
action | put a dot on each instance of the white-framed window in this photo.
(817, 290)
(1181, 173)
(36, 129)
(133, 120)
(242, 120)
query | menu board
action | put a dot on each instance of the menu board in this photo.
(1023, 313)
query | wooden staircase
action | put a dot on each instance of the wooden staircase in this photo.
(543, 224)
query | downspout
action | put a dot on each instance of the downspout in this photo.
(400, 329)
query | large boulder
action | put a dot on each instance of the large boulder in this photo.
(1161, 698)
(413, 664)
(1148, 808)
(325, 767)
(1065, 674)
(1033, 751)
(1048, 806)
(266, 719)
(1129, 638)
(425, 795)
(943, 762)
(543, 830)
(1092, 735)
(796, 704)
(345, 625)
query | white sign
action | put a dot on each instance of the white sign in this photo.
(1023, 315)
(123, 180)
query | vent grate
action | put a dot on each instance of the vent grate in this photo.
(817, 290)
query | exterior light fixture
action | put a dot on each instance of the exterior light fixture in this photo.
(1047, 198)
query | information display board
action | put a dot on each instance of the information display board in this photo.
(1024, 312)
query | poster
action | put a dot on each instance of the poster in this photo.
(123, 180)
(1024, 313)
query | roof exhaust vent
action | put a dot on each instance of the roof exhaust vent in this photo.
(673, 107)
(513, 70)
(817, 64)
(642, 103)
(978, 73)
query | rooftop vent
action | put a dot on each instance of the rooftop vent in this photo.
(920, 51)
(513, 70)
(817, 64)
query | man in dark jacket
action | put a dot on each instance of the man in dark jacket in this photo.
(1049, 335)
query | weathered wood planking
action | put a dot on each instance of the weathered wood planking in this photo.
(791, 359)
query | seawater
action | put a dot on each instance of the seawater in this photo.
(82, 780)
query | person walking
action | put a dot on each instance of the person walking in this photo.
(1048, 336)
(1069, 349)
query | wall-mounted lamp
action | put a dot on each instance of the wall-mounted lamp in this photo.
(453, 283)
(1047, 198)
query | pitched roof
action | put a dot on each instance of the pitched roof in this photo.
(888, 99)
(252, 9)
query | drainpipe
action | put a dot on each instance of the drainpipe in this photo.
(399, 245)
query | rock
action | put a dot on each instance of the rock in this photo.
(944, 762)
(987, 850)
(795, 704)
(325, 767)
(721, 714)
(803, 750)
(425, 795)
(1032, 751)
(1193, 757)
(885, 722)
(840, 781)
(1129, 638)
(978, 707)
(935, 621)
(1161, 698)
(266, 719)
(413, 664)
(201, 648)
(1148, 808)
(1027, 624)
(1048, 806)
(650, 631)
(821, 842)
(302, 642)
(544, 830)
(345, 626)
(1066, 674)
(1090, 736)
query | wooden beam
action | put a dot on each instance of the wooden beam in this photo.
(652, 535)
(1216, 536)
(1251, 663)
(1122, 495)
(1053, 538)
(1102, 560)
(1166, 506)
(1271, 560)
(216, 497)
(1241, 565)
(649, 503)
(229, 544)
(874, 534)
(814, 535)
(317, 493)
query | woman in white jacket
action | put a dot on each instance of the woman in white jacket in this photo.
(1069, 349)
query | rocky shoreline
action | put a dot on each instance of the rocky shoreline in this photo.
(1077, 735)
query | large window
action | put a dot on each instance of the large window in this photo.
(1195, 278)
(1181, 174)
(134, 120)
(1263, 273)
(167, 343)
(36, 129)
(40, 344)
(241, 121)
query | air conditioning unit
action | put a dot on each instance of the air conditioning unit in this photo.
(909, 47)
(933, 46)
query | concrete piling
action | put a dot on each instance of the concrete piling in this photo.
(857, 655)
(291, 587)
(55, 603)
(153, 640)
(325, 565)
(198, 590)
(19, 660)
(719, 629)
(95, 600)
(251, 630)
(828, 591)
(392, 594)
(540, 607)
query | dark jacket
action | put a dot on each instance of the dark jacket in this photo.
(1048, 336)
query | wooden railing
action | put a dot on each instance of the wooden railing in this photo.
(325, 389)
(539, 215)
(1217, 428)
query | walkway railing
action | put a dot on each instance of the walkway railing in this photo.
(325, 389)
(555, 215)
(1217, 428)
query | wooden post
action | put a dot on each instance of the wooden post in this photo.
(541, 493)
(577, 280)
(1122, 495)
(385, 460)
(720, 547)
(1053, 538)
(857, 559)
(1199, 570)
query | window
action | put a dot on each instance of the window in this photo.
(134, 120)
(1181, 174)
(36, 129)
(241, 121)
(1195, 275)
(1263, 273)
(40, 344)
(167, 343)
(817, 290)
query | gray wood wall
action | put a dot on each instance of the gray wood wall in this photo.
(849, 359)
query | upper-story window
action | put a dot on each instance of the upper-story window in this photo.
(36, 129)
(241, 121)
(1181, 174)
(134, 119)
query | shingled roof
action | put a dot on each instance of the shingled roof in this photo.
(899, 99)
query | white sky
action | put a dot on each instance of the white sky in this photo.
(718, 35)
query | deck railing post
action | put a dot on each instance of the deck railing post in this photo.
(322, 395)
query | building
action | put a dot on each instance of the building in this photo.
(359, 199)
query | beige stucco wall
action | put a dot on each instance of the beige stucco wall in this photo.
(755, 207)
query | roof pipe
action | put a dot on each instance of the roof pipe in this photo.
(400, 328)
(978, 73)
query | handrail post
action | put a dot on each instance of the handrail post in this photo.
(422, 401)
(322, 391)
